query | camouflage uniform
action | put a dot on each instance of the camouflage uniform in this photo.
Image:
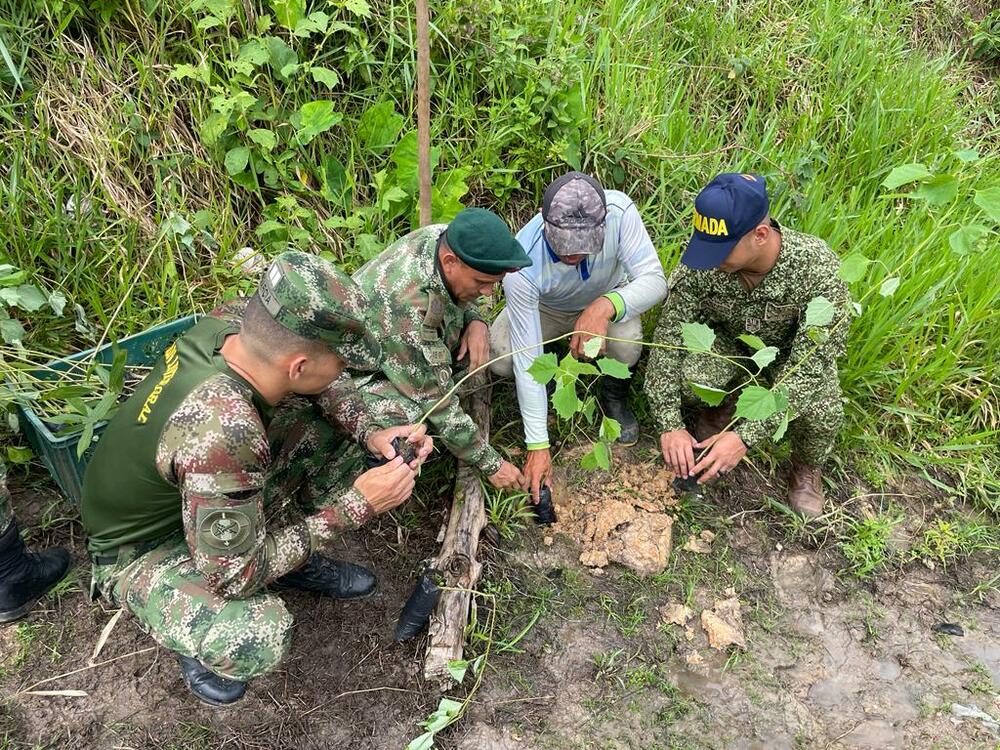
(6, 514)
(420, 326)
(773, 310)
(239, 495)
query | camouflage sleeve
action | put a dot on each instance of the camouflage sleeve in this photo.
(663, 381)
(342, 405)
(810, 361)
(214, 448)
(472, 313)
(6, 513)
(418, 363)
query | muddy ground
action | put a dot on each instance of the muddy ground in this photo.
(580, 658)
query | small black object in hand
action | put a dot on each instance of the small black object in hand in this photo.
(402, 447)
(545, 511)
(683, 485)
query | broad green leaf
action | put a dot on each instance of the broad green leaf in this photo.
(379, 126)
(988, 200)
(86, 436)
(967, 155)
(544, 368)
(576, 367)
(765, 356)
(314, 23)
(592, 346)
(598, 458)
(708, 394)
(819, 312)
(236, 159)
(263, 138)
(27, 296)
(938, 190)
(338, 185)
(280, 56)
(11, 331)
(889, 286)
(288, 12)
(756, 403)
(610, 430)
(457, 669)
(854, 267)
(19, 455)
(446, 194)
(404, 156)
(327, 77)
(254, 53)
(904, 174)
(315, 118)
(213, 127)
(698, 337)
(965, 239)
(198, 72)
(57, 301)
(358, 7)
(754, 342)
(565, 401)
(589, 409)
(423, 742)
(782, 427)
(614, 368)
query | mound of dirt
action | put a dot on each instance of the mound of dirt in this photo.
(626, 520)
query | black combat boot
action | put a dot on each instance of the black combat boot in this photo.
(333, 578)
(25, 576)
(614, 401)
(207, 686)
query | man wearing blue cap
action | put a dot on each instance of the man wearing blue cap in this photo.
(750, 280)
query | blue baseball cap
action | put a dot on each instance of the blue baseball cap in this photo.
(726, 209)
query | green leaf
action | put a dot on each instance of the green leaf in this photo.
(57, 301)
(754, 342)
(379, 126)
(289, 12)
(358, 7)
(757, 403)
(782, 427)
(967, 155)
(854, 267)
(338, 182)
(327, 77)
(19, 455)
(599, 457)
(315, 118)
(610, 430)
(589, 409)
(213, 127)
(904, 174)
(446, 194)
(592, 346)
(765, 356)
(938, 190)
(236, 159)
(26, 296)
(565, 401)
(404, 156)
(889, 286)
(819, 312)
(697, 337)
(708, 394)
(988, 200)
(11, 331)
(86, 437)
(575, 367)
(544, 368)
(457, 669)
(263, 138)
(423, 742)
(614, 368)
(281, 56)
(965, 239)
(198, 72)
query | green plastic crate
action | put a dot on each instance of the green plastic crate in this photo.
(58, 453)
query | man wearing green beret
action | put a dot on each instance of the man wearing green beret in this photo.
(230, 467)
(423, 290)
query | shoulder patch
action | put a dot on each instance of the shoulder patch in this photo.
(226, 531)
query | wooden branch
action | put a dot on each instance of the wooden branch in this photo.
(424, 111)
(457, 559)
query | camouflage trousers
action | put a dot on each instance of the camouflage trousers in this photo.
(6, 513)
(236, 638)
(816, 421)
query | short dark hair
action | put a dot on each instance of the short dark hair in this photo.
(267, 339)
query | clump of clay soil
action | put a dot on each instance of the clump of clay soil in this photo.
(626, 520)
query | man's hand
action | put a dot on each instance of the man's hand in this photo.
(726, 449)
(385, 487)
(508, 478)
(476, 343)
(594, 319)
(678, 451)
(380, 443)
(538, 471)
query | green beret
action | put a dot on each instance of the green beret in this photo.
(313, 298)
(483, 240)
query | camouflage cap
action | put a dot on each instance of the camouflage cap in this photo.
(574, 208)
(313, 298)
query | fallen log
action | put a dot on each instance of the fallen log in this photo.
(457, 561)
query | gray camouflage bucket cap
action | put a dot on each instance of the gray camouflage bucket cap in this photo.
(573, 209)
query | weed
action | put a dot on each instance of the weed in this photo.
(866, 542)
(626, 617)
(508, 513)
(980, 681)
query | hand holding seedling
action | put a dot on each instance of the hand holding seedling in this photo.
(382, 443)
(595, 319)
(538, 471)
(387, 486)
(725, 450)
(508, 477)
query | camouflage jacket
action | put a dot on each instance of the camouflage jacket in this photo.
(773, 310)
(420, 326)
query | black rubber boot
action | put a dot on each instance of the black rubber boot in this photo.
(207, 686)
(614, 402)
(26, 576)
(333, 578)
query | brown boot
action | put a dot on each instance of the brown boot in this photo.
(712, 420)
(805, 489)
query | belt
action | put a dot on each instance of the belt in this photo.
(104, 559)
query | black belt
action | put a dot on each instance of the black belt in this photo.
(104, 559)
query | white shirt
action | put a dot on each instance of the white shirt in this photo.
(627, 265)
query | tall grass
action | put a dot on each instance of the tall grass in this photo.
(654, 97)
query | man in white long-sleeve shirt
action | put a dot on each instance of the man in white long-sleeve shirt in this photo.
(593, 269)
